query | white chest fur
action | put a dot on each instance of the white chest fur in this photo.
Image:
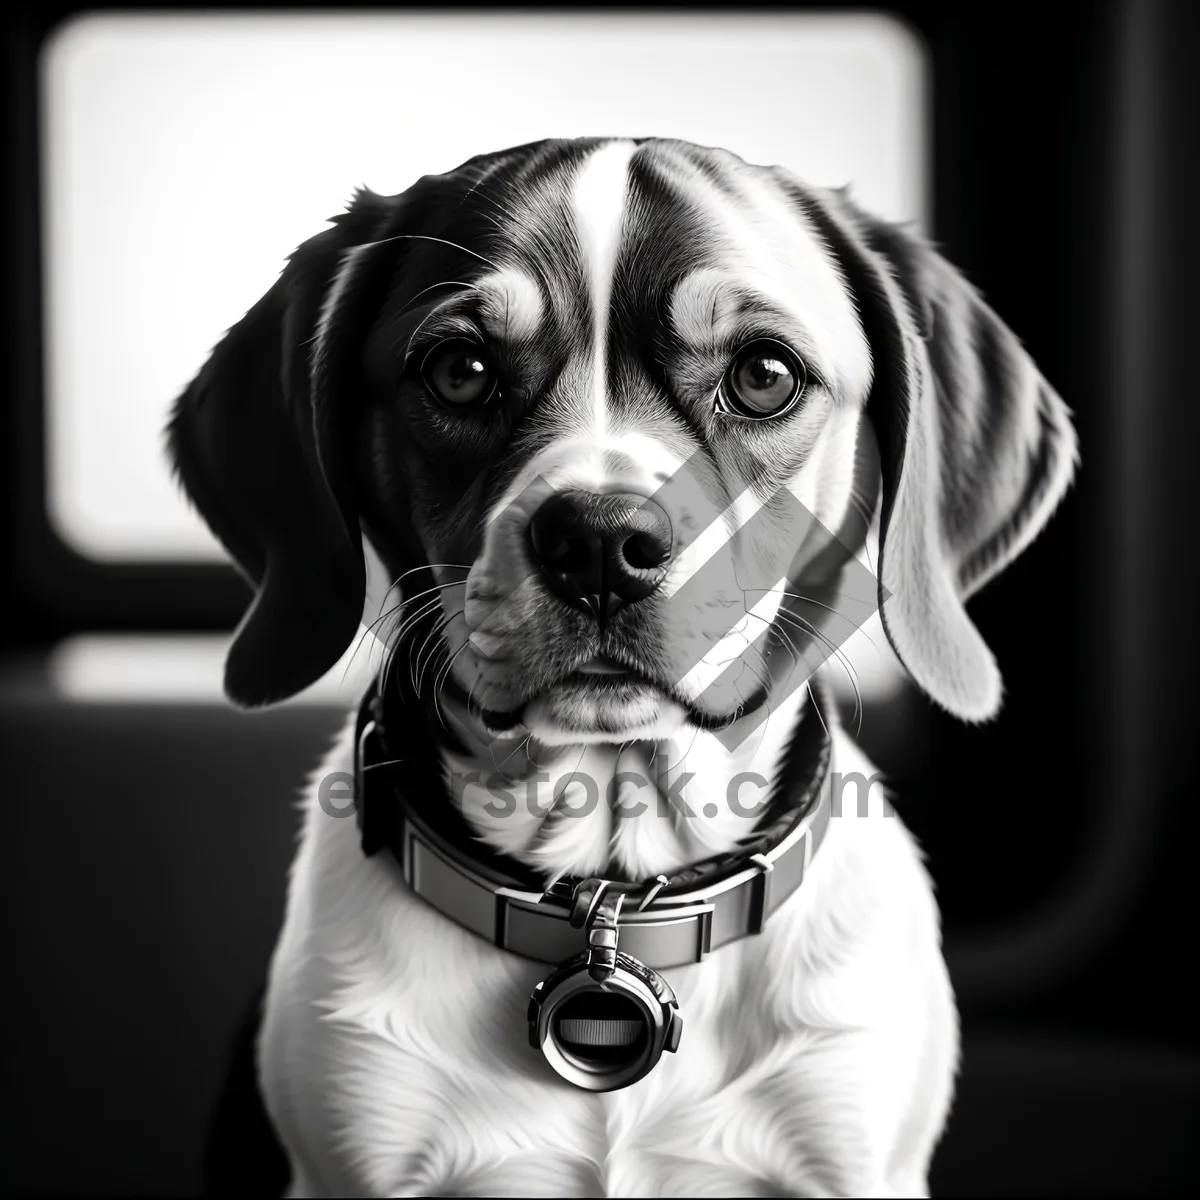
(817, 1057)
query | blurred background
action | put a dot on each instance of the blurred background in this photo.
(163, 165)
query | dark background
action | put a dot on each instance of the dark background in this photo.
(145, 847)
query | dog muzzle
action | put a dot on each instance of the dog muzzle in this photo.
(606, 1015)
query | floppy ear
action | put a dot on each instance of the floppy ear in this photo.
(976, 448)
(245, 447)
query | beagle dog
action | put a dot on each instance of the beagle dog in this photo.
(591, 435)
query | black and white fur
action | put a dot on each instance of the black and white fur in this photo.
(610, 281)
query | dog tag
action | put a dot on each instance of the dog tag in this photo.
(603, 1019)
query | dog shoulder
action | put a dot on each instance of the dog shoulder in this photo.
(865, 923)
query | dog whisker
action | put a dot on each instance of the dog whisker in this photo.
(397, 638)
(834, 649)
(437, 587)
(396, 608)
(499, 767)
(683, 756)
(430, 567)
(799, 623)
(391, 762)
(416, 671)
(391, 613)
(425, 237)
(440, 682)
(431, 643)
(829, 608)
(440, 647)
(366, 632)
(860, 505)
(458, 283)
(816, 708)
(359, 643)
(471, 691)
(788, 644)
(837, 653)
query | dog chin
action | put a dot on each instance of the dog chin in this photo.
(583, 713)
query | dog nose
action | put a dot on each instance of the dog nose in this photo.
(599, 552)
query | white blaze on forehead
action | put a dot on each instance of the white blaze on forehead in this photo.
(598, 199)
(511, 304)
(629, 461)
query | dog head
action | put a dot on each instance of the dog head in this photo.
(613, 402)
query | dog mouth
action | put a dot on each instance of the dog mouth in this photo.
(612, 694)
(610, 684)
(599, 668)
(634, 677)
(599, 697)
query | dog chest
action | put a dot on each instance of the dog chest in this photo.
(416, 1029)
(395, 1059)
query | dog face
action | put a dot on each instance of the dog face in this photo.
(633, 351)
(582, 390)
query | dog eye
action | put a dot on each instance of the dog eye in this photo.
(764, 379)
(459, 373)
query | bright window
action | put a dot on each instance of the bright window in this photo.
(186, 156)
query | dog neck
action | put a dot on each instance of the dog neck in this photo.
(628, 810)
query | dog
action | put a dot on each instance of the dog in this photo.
(565, 402)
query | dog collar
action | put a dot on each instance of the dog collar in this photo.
(668, 921)
(605, 1016)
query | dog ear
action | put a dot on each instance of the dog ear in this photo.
(246, 448)
(976, 449)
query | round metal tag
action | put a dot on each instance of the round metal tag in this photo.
(604, 1035)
